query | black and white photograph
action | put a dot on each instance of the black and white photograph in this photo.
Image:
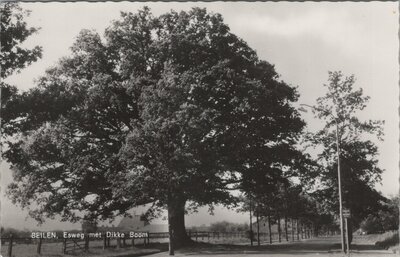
(199, 129)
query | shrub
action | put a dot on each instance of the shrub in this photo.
(391, 239)
(371, 224)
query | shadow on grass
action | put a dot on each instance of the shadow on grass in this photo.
(366, 247)
(314, 246)
(358, 247)
(301, 248)
(162, 247)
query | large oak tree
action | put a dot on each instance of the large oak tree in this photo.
(167, 110)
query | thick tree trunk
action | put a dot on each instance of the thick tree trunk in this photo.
(176, 225)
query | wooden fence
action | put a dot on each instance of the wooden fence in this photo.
(74, 245)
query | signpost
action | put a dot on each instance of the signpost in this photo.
(346, 215)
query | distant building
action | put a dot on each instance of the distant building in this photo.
(139, 223)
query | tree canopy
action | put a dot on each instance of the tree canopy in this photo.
(13, 57)
(358, 152)
(165, 110)
(14, 31)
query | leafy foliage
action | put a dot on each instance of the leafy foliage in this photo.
(386, 219)
(14, 31)
(358, 153)
(161, 110)
(15, 233)
(371, 225)
(13, 57)
(89, 226)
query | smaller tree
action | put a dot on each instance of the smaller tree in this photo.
(371, 225)
(386, 219)
(390, 214)
(343, 130)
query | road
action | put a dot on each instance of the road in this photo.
(322, 247)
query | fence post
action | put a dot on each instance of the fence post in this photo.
(123, 242)
(86, 242)
(104, 241)
(133, 241)
(10, 245)
(64, 246)
(39, 246)
(118, 242)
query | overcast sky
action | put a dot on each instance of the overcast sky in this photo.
(303, 40)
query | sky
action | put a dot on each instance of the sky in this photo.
(303, 40)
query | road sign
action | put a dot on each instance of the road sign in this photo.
(346, 213)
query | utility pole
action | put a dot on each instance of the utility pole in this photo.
(339, 185)
(339, 174)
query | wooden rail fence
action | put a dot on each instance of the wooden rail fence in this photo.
(74, 245)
